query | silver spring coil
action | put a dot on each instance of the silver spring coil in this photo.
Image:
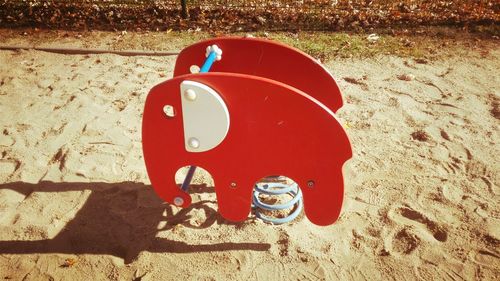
(275, 188)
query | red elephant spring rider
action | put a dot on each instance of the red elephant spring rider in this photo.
(264, 109)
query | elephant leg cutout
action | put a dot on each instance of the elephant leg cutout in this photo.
(203, 178)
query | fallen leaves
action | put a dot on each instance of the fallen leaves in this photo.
(241, 15)
(69, 262)
(448, 70)
(421, 61)
(406, 77)
(420, 136)
(444, 135)
(495, 106)
(359, 82)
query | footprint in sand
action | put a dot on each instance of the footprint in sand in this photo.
(269, 271)
(350, 99)
(8, 167)
(404, 242)
(444, 135)
(310, 269)
(394, 102)
(119, 105)
(495, 106)
(486, 258)
(6, 139)
(246, 263)
(283, 243)
(476, 168)
(452, 193)
(407, 216)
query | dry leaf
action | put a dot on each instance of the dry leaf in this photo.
(69, 262)
(421, 61)
(373, 37)
(406, 77)
(248, 15)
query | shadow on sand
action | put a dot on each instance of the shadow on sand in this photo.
(120, 219)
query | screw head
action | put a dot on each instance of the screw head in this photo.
(194, 69)
(178, 201)
(194, 143)
(169, 110)
(310, 183)
(233, 185)
(190, 94)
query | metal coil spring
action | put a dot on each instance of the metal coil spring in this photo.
(274, 188)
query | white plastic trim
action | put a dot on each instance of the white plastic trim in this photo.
(216, 49)
(204, 115)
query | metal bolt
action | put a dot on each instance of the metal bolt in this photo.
(178, 201)
(194, 142)
(233, 185)
(194, 69)
(169, 110)
(310, 183)
(190, 94)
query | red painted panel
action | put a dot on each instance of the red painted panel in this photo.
(268, 59)
(275, 130)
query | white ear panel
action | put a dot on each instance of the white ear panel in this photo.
(205, 117)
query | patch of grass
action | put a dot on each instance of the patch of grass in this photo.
(325, 46)
(421, 43)
(321, 45)
(491, 30)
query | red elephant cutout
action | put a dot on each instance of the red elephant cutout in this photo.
(275, 129)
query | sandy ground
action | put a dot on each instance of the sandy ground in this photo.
(421, 197)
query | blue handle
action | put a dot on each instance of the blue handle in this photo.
(208, 62)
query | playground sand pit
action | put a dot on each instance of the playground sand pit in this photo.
(421, 195)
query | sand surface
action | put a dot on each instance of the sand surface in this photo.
(422, 190)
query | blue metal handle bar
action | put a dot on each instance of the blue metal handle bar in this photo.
(208, 62)
(189, 178)
(204, 68)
